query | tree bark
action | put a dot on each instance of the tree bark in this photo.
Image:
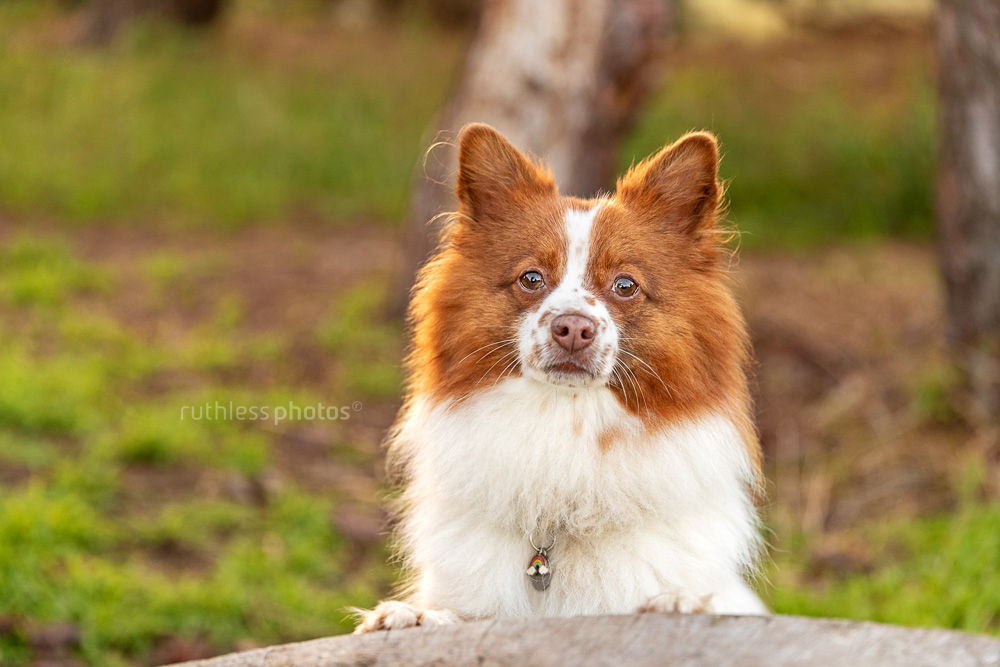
(647, 639)
(562, 79)
(969, 191)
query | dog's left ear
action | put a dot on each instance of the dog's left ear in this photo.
(493, 175)
(679, 183)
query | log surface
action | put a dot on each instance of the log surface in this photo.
(647, 639)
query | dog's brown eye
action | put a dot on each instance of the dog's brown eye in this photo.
(625, 286)
(532, 280)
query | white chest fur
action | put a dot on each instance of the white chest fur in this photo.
(645, 513)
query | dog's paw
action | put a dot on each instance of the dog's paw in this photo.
(678, 601)
(393, 615)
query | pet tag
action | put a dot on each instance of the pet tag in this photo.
(539, 573)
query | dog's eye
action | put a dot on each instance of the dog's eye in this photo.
(532, 280)
(625, 286)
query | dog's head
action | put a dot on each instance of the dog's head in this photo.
(624, 291)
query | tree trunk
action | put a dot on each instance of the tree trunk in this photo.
(107, 17)
(969, 191)
(561, 79)
(647, 639)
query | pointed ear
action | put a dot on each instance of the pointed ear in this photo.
(492, 174)
(679, 183)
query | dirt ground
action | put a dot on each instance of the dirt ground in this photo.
(848, 342)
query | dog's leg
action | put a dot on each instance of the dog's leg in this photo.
(394, 615)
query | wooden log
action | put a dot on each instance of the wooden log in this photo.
(646, 639)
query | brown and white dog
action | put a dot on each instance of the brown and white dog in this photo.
(577, 435)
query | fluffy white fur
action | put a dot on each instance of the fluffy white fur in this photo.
(659, 520)
(657, 514)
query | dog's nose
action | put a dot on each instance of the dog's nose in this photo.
(573, 332)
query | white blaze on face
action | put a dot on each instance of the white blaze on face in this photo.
(571, 296)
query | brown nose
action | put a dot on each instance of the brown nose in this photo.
(573, 332)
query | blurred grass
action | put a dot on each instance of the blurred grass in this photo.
(824, 141)
(182, 128)
(111, 516)
(938, 571)
(823, 144)
(88, 536)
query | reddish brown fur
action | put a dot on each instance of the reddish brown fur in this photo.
(608, 438)
(660, 227)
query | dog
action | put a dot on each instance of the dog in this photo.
(577, 434)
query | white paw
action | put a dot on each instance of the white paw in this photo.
(431, 617)
(678, 601)
(393, 615)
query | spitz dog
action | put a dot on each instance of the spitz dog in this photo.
(577, 436)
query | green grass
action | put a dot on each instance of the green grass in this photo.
(938, 572)
(823, 157)
(357, 336)
(88, 410)
(32, 272)
(182, 129)
(823, 145)
(276, 574)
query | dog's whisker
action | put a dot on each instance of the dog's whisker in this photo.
(501, 343)
(636, 388)
(642, 391)
(509, 366)
(480, 359)
(621, 385)
(506, 356)
(512, 327)
(650, 370)
(613, 379)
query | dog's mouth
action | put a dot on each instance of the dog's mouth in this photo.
(571, 371)
(552, 363)
(569, 367)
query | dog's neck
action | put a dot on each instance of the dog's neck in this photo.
(552, 461)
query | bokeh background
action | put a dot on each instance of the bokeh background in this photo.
(213, 213)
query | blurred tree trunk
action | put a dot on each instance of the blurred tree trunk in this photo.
(562, 79)
(107, 17)
(969, 190)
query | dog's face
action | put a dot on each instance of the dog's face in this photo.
(622, 291)
(567, 334)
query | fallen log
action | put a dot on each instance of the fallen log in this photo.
(646, 639)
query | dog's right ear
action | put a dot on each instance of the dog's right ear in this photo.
(493, 175)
